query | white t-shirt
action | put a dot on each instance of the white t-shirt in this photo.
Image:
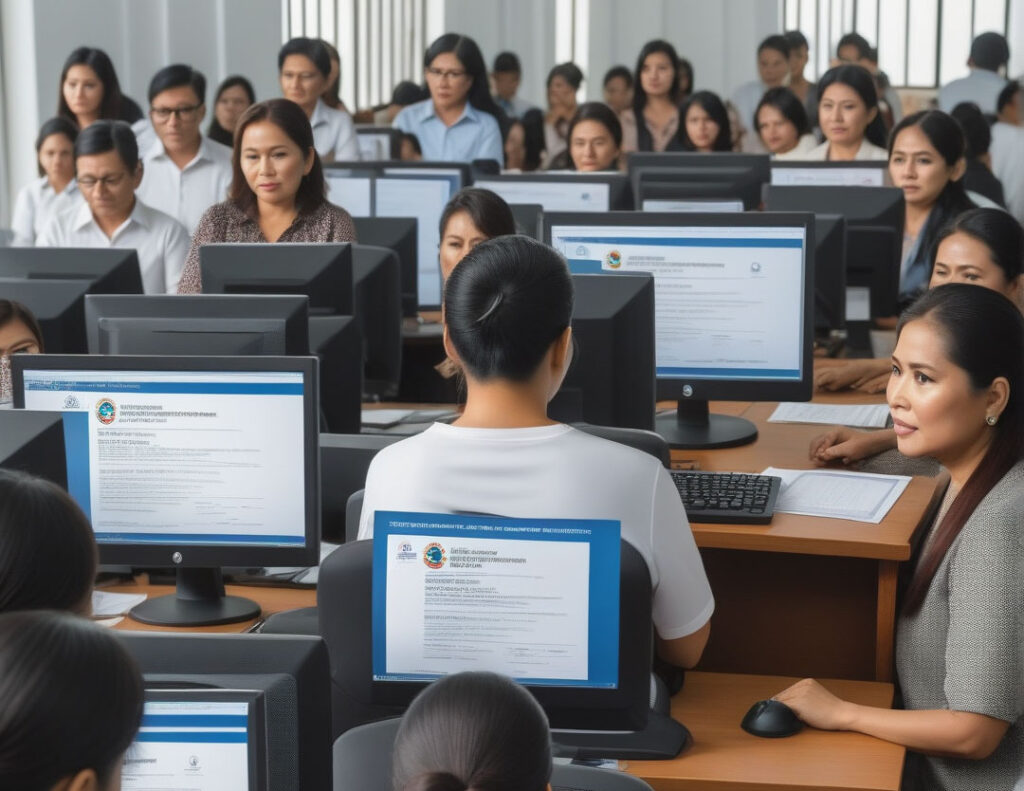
(551, 472)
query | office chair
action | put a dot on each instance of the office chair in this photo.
(363, 756)
(647, 441)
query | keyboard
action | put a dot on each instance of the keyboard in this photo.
(727, 497)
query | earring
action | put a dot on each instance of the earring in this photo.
(991, 420)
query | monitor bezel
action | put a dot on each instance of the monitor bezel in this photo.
(189, 555)
(855, 164)
(620, 191)
(118, 270)
(679, 389)
(378, 166)
(394, 137)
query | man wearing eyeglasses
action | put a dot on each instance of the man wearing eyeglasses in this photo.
(184, 173)
(108, 172)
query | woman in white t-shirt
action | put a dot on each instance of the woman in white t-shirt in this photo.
(507, 312)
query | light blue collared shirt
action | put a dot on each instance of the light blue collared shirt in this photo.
(474, 136)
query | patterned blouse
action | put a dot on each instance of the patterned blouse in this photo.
(225, 222)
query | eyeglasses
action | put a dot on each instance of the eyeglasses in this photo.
(442, 74)
(90, 183)
(163, 114)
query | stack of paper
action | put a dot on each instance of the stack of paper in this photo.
(838, 494)
(106, 604)
(862, 415)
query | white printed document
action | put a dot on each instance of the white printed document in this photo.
(859, 415)
(107, 603)
(838, 494)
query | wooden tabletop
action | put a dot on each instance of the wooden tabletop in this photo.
(724, 757)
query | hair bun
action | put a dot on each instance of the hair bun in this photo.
(436, 781)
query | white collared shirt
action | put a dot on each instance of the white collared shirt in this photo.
(186, 193)
(867, 151)
(160, 241)
(334, 134)
(36, 203)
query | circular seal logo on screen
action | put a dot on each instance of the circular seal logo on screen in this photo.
(434, 556)
(613, 259)
(755, 267)
(71, 402)
(106, 411)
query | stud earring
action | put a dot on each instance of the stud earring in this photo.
(991, 420)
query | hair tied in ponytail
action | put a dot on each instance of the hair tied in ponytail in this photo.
(498, 299)
(436, 781)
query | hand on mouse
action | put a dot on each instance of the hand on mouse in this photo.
(816, 706)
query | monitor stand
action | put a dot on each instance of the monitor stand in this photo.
(693, 427)
(662, 739)
(198, 600)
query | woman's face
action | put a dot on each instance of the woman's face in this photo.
(302, 81)
(460, 236)
(961, 258)
(701, 128)
(515, 147)
(231, 103)
(843, 116)
(935, 409)
(778, 133)
(657, 74)
(773, 67)
(617, 94)
(83, 90)
(273, 164)
(448, 81)
(57, 158)
(917, 168)
(561, 93)
(592, 146)
(17, 338)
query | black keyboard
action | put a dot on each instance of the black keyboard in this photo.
(727, 497)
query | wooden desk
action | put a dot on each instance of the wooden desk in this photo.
(726, 758)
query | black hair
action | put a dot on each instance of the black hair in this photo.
(486, 209)
(113, 105)
(859, 79)
(468, 53)
(72, 699)
(1007, 95)
(331, 95)
(54, 126)
(407, 92)
(621, 72)
(998, 230)
(976, 131)
(532, 122)
(507, 61)
(643, 135)
(505, 303)
(15, 311)
(569, 72)
(787, 103)
(685, 67)
(990, 51)
(795, 39)
(217, 132)
(473, 730)
(602, 114)
(412, 140)
(777, 43)
(176, 76)
(312, 48)
(102, 136)
(713, 106)
(983, 334)
(864, 49)
(42, 527)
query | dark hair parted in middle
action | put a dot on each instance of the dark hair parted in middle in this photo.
(477, 731)
(113, 105)
(787, 103)
(505, 303)
(998, 230)
(486, 209)
(54, 126)
(175, 76)
(859, 79)
(15, 311)
(102, 136)
(468, 53)
(603, 114)
(290, 119)
(713, 106)
(643, 134)
(217, 132)
(312, 48)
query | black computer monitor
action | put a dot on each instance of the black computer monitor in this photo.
(344, 461)
(398, 234)
(271, 693)
(733, 306)
(33, 442)
(59, 307)
(378, 309)
(861, 173)
(112, 270)
(192, 462)
(379, 143)
(874, 233)
(528, 217)
(611, 379)
(462, 171)
(203, 324)
(829, 273)
(323, 272)
(563, 191)
(338, 345)
(698, 176)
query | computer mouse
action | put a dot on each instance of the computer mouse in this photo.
(771, 720)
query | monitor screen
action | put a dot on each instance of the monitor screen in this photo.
(841, 174)
(528, 598)
(576, 194)
(353, 193)
(710, 205)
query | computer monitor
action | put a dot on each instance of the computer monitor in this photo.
(59, 307)
(192, 462)
(378, 310)
(378, 143)
(611, 379)
(733, 307)
(338, 345)
(563, 191)
(279, 683)
(528, 217)
(33, 442)
(323, 272)
(795, 173)
(344, 461)
(462, 172)
(829, 273)
(352, 192)
(874, 233)
(202, 324)
(686, 176)
(398, 234)
(112, 270)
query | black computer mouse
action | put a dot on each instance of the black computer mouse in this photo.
(771, 719)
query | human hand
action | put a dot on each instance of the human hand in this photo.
(876, 385)
(816, 706)
(850, 373)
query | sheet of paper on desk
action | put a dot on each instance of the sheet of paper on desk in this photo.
(860, 415)
(384, 418)
(106, 604)
(838, 494)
